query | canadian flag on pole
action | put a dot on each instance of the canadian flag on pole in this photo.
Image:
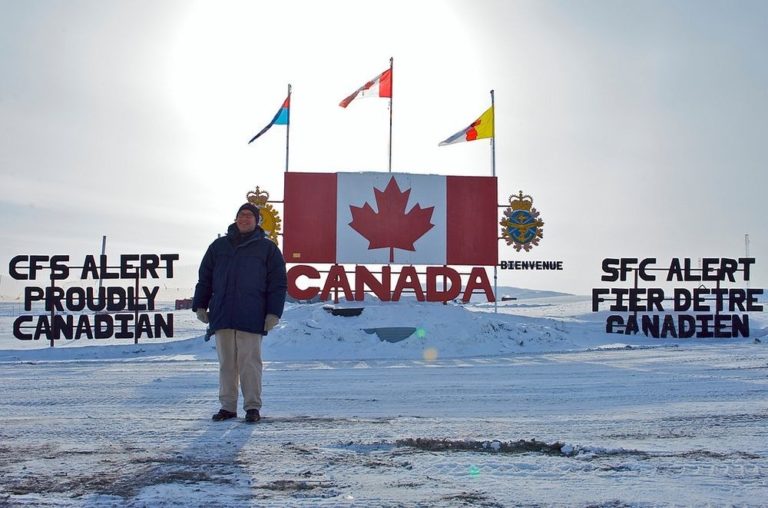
(380, 86)
(385, 218)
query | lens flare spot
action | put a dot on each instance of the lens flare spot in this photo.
(474, 471)
(430, 354)
(421, 333)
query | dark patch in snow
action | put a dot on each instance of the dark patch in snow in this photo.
(444, 445)
(294, 485)
(471, 499)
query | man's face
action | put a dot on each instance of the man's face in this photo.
(246, 221)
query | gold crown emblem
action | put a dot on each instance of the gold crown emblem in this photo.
(520, 202)
(269, 220)
(520, 225)
(257, 197)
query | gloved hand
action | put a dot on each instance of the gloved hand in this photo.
(271, 321)
(202, 315)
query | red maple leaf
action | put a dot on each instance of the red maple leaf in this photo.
(391, 226)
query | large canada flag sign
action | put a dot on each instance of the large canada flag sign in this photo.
(400, 218)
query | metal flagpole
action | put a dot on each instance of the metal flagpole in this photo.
(493, 173)
(288, 128)
(746, 250)
(391, 93)
(493, 137)
(103, 253)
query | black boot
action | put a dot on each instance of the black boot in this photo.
(223, 414)
(252, 416)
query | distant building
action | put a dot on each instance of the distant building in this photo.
(184, 303)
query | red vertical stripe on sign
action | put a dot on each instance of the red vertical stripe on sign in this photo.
(472, 220)
(385, 84)
(309, 235)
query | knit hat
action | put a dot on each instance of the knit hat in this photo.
(251, 208)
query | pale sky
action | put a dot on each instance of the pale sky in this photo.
(638, 127)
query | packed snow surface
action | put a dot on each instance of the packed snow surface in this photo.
(531, 405)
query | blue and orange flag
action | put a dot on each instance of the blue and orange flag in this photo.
(282, 117)
(479, 129)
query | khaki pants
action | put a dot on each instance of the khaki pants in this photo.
(239, 363)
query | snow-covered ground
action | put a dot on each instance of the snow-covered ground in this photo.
(533, 405)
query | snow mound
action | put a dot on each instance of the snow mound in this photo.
(448, 331)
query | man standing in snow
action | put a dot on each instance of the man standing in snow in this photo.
(241, 293)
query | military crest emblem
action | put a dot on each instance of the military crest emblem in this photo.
(269, 219)
(521, 226)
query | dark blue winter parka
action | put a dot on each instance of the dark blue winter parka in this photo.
(241, 281)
